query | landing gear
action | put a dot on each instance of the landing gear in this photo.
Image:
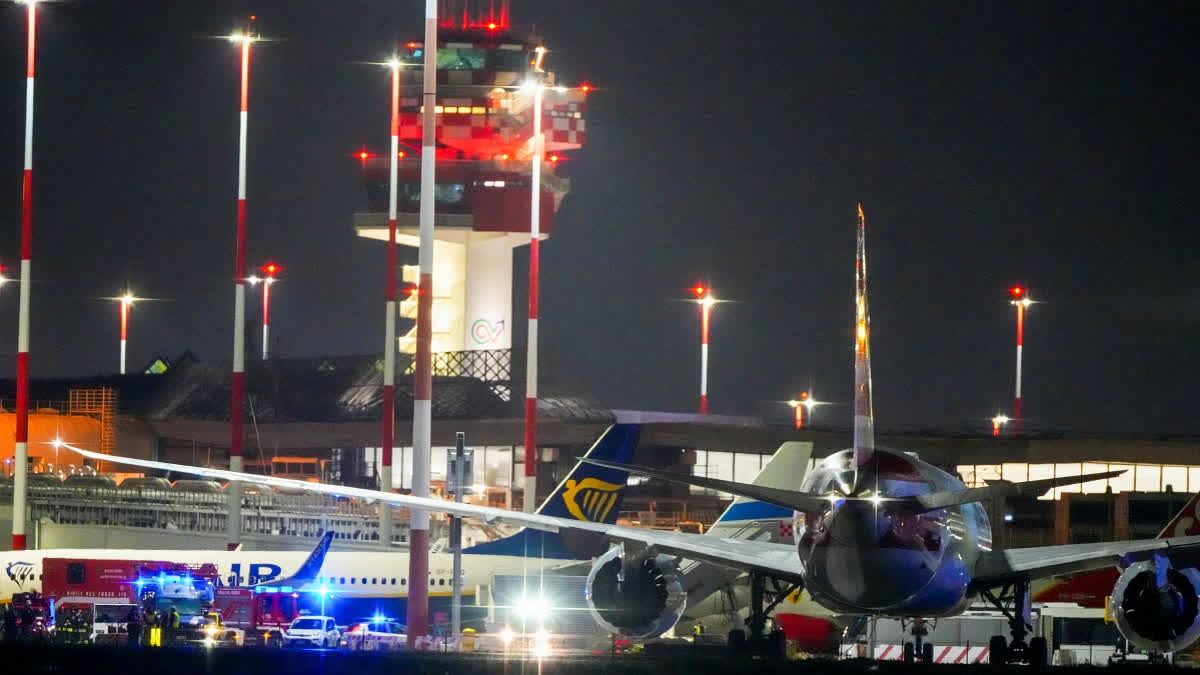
(756, 638)
(1013, 600)
(918, 648)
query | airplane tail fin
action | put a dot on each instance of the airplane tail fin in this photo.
(308, 570)
(864, 409)
(785, 468)
(1186, 522)
(589, 492)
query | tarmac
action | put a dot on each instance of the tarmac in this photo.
(92, 660)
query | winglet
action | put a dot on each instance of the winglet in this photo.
(864, 411)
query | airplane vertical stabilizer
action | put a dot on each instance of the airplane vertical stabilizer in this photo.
(864, 411)
(589, 492)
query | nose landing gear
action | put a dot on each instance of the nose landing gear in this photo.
(918, 649)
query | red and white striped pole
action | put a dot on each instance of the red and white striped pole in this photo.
(266, 339)
(418, 547)
(705, 299)
(126, 302)
(21, 446)
(238, 382)
(388, 416)
(531, 346)
(1021, 301)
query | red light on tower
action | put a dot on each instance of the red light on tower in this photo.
(699, 290)
(363, 155)
(1016, 291)
(270, 268)
(585, 87)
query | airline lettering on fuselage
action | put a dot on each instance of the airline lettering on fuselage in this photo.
(19, 572)
(256, 573)
(590, 499)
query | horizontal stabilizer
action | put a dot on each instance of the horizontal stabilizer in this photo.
(797, 501)
(1033, 488)
(802, 501)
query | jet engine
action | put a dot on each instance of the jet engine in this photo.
(636, 595)
(1154, 610)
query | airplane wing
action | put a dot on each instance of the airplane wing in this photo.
(779, 560)
(1038, 562)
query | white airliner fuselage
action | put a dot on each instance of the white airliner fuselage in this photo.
(346, 574)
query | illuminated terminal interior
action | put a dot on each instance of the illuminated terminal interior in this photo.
(1137, 477)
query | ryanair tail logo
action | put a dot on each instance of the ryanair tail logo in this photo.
(590, 499)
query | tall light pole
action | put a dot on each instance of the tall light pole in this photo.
(126, 301)
(418, 547)
(267, 279)
(1020, 299)
(803, 406)
(998, 421)
(705, 299)
(388, 415)
(531, 346)
(238, 379)
(21, 437)
(798, 405)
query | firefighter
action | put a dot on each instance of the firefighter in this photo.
(155, 631)
(174, 623)
(133, 626)
(77, 626)
(26, 630)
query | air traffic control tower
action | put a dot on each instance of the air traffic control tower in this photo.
(487, 75)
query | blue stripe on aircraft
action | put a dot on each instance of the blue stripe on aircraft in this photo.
(755, 511)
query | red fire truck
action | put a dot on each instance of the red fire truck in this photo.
(106, 591)
(263, 616)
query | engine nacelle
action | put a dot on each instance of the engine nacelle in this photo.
(636, 596)
(1162, 619)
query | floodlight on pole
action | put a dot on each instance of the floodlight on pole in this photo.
(531, 344)
(21, 426)
(704, 298)
(388, 413)
(238, 379)
(1020, 300)
(126, 302)
(269, 272)
(998, 421)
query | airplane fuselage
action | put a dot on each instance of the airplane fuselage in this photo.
(343, 574)
(863, 557)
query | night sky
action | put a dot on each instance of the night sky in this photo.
(1051, 144)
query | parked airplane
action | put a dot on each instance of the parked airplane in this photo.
(877, 532)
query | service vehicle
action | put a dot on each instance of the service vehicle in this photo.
(313, 631)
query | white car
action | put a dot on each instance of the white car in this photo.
(312, 631)
(375, 636)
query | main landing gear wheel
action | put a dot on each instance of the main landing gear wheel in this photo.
(910, 652)
(1013, 601)
(997, 650)
(927, 652)
(756, 639)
